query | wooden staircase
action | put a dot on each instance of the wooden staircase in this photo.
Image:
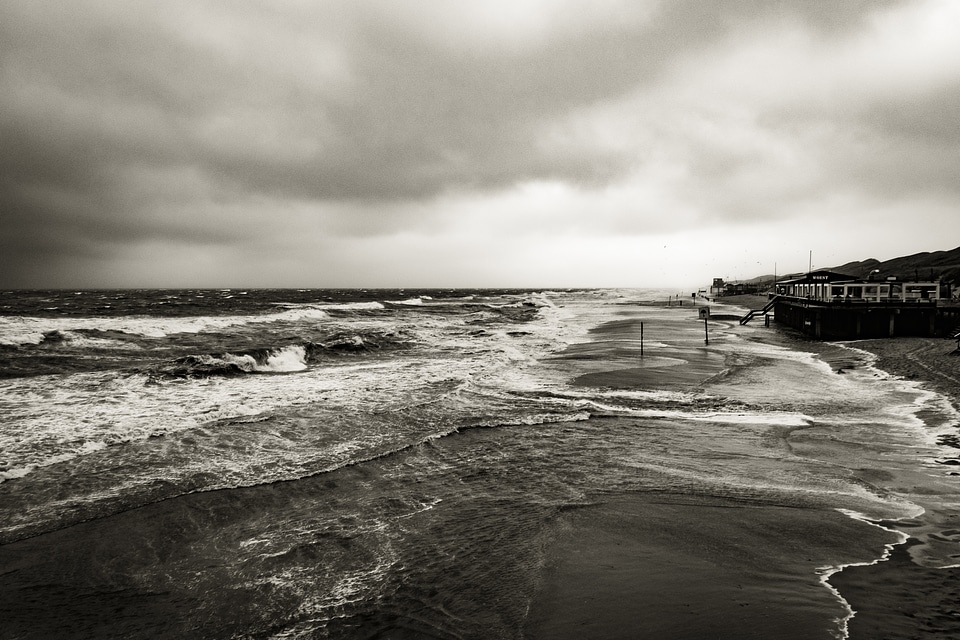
(758, 312)
(954, 334)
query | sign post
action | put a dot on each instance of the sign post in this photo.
(705, 315)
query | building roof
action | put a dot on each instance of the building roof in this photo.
(818, 277)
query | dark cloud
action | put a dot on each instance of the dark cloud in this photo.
(409, 118)
(213, 123)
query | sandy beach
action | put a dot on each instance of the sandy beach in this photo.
(690, 567)
(671, 495)
(622, 570)
(899, 599)
(933, 361)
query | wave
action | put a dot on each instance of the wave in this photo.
(284, 359)
(355, 306)
(80, 449)
(22, 330)
(211, 445)
(382, 339)
(409, 302)
(287, 359)
(535, 419)
(88, 339)
(18, 331)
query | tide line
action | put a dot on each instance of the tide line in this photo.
(827, 572)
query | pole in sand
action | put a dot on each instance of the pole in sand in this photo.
(641, 340)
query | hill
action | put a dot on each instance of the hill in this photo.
(924, 266)
(929, 265)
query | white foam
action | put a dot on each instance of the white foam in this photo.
(292, 358)
(539, 418)
(76, 450)
(48, 419)
(356, 306)
(15, 331)
(773, 418)
(826, 572)
(79, 340)
(287, 359)
(643, 395)
(27, 330)
(53, 418)
(47, 416)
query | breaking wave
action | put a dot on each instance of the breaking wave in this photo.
(19, 330)
(283, 360)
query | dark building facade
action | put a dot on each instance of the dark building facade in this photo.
(833, 306)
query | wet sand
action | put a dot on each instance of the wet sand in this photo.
(898, 599)
(933, 361)
(688, 567)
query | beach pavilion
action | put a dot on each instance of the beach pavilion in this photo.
(837, 287)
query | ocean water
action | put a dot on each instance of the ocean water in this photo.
(364, 464)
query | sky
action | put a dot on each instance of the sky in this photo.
(449, 143)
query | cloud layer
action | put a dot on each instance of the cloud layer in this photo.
(430, 142)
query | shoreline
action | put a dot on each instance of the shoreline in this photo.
(897, 598)
(894, 597)
(626, 569)
(611, 573)
(933, 362)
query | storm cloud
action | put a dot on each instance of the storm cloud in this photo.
(438, 143)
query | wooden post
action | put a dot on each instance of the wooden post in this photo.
(641, 339)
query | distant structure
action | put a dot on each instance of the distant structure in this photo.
(716, 289)
(720, 288)
(834, 306)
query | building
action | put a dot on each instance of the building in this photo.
(834, 306)
(814, 285)
(716, 288)
(722, 288)
(833, 286)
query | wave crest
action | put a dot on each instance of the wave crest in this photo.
(287, 359)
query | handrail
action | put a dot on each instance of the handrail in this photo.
(756, 312)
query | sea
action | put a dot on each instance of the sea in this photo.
(310, 463)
